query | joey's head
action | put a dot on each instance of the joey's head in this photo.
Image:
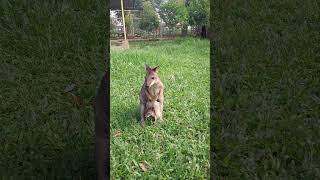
(150, 113)
(152, 109)
(151, 76)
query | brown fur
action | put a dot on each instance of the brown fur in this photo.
(152, 110)
(152, 91)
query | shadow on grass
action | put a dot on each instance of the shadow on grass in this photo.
(73, 164)
(129, 117)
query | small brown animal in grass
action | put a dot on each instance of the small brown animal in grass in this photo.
(152, 90)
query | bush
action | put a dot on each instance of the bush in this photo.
(150, 20)
(129, 23)
(173, 14)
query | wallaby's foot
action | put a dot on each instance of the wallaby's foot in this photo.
(158, 120)
(155, 120)
(142, 123)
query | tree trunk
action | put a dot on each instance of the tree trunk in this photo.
(203, 32)
(184, 31)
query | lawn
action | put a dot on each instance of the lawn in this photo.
(178, 147)
(44, 47)
(265, 123)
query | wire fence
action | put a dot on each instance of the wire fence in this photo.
(133, 20)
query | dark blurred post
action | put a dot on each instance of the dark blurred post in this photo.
(101, 107)
(203, 31)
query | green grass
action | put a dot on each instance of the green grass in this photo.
(265, 123)
(45, 46)
(178, 147)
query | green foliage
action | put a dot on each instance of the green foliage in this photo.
(265, 122)
(173, 13)
(157, 3)
(199, 11)
(45, 46)
(138, 4)
(112, 26)
(150, 20)
(129, 23)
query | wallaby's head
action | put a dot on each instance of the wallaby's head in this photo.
(151, 76)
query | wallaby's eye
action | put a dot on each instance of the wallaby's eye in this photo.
(158, 100)
(152, 78)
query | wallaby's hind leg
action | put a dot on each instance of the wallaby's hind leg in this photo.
(161, 112)
(160, 118)
(142, 115)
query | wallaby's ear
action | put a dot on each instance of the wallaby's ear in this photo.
(148, 68)
(156, 69)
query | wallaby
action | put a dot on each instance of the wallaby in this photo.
(101, 107)
(152, 90)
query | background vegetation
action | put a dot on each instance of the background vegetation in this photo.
(150, 19)
(176, 14)
(265, 64)
(46, 46)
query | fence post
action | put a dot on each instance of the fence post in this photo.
(125, 43)
(123, 21)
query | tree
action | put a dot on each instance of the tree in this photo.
(174, 13)
(157, 3)
(184, 30)
(199, 13)
(113, 23)
(129, 23)
(138, 4)
(150, 20)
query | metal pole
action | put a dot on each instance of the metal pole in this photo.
(161, 28)
(124, 24)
